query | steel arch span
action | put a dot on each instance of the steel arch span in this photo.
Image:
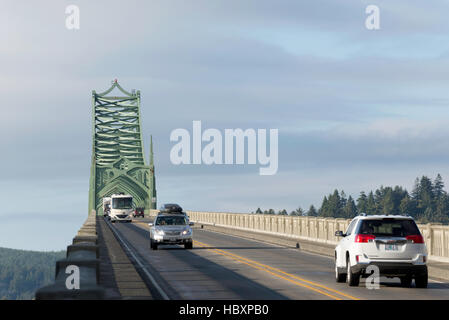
(118, 162)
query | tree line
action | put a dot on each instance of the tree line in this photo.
(23, 272)
(427, 202)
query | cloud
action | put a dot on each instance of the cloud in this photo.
(354, 108)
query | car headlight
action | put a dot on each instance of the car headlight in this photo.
(187, 231)
(159, 232)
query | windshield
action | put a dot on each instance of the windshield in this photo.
(170, 221)
(122, 203)
(389, 227)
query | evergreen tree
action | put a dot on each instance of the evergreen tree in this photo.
(312, 211)
(426, 192)
(334, 208)
(438, 187)
(442, 210)
(415, 190)
(387, 202)
(283, 212)
(362, 202)
(378, 196)
(371, 204)
(406, 206)
(350, 209)
(343, 199)
(323, 209)
(299, 212)
(427, 216)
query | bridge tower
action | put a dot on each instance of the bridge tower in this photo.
(118, 162)
(152, 177)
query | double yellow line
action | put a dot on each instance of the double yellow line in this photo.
(299, 281)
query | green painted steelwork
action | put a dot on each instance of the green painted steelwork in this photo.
(118, 162)
(153, 195)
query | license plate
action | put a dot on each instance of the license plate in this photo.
(391, 247)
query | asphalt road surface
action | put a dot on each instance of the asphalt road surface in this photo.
(222, 266)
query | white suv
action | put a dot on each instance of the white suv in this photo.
(392, 243)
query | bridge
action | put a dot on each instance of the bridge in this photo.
(118, 162)
(235, 255)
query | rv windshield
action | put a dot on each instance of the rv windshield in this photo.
(122, 203)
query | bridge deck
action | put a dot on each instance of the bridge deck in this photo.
(223, 266)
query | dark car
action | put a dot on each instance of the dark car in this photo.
(171, 208)
(139, 212)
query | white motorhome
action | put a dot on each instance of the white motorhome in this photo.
(106, 206)
(121, 208)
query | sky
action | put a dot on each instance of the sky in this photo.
(355, 108)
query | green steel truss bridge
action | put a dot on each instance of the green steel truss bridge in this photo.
(118, 162)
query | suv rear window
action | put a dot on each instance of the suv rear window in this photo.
(389, 227)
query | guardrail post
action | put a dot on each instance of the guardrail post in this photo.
(326, 229)
(308, 226)
(431, 240)
(443, 243)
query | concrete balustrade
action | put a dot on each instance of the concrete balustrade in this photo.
(316, 229)
(84, 254)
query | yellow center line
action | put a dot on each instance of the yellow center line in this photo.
(263, 266)
(142, 223)
(267, 269)
(272, 273)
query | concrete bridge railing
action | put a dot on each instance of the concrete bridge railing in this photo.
(316, 229)
(77, 276)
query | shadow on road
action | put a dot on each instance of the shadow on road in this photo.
(172, 262)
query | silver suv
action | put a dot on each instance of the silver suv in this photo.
(171, 229)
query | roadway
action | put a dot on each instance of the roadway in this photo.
(222, 266)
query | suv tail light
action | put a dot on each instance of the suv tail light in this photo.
(364, 238)
(417, 238)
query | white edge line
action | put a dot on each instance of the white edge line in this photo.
(153, 281)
